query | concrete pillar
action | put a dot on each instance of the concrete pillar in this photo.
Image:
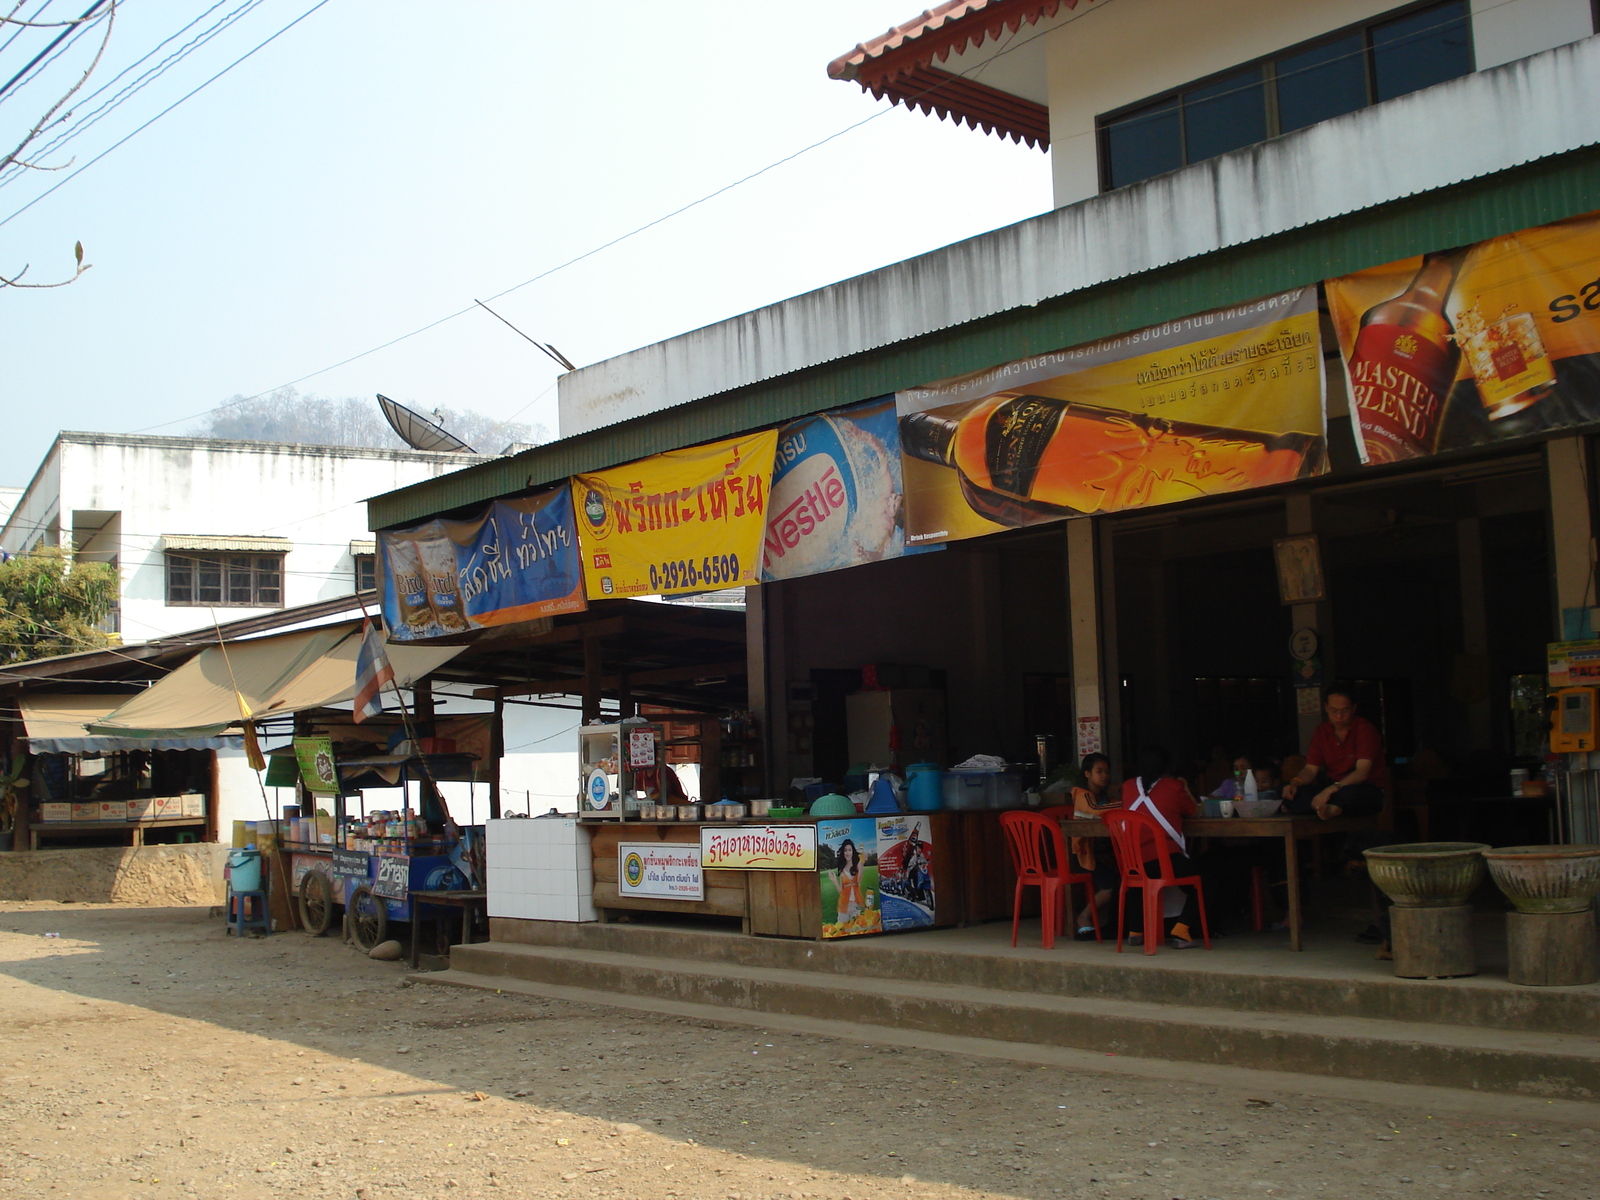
(1572, 542)
(1088, 677)
(757, 685)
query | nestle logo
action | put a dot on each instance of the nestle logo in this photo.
(602, 561)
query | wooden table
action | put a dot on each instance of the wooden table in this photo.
(85, 828)
(1291, 830)
(469, 902)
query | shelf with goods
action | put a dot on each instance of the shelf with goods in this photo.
(728, 749)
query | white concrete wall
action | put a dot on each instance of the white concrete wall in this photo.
(311, 495)
(1133, 51)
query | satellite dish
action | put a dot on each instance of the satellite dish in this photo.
(418, 432)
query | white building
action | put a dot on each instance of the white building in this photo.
(208, 529)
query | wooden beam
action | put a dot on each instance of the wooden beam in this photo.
(634, 679)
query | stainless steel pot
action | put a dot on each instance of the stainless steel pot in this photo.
(687, 812)
(760, 808)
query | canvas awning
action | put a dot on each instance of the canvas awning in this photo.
(58, 724)
(275, 675)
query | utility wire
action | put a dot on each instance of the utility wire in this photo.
(186, 96)
(73, 31)
(94, 116)
(1015, 45)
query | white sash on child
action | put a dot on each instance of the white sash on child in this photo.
(1144, 801)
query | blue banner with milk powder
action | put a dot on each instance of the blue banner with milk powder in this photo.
(517, 561)
(836, 498)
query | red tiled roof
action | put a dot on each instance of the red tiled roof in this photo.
(900, 66)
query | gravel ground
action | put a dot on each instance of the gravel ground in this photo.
(146, 1055)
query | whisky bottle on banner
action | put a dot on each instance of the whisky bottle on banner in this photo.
(1024, 459)
(1404, 363)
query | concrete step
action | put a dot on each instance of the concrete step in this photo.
(1554, 1066)
(1271, 980)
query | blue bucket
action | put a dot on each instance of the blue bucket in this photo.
(244, 870)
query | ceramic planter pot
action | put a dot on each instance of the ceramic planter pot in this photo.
(1546, 879)
(1427, 874)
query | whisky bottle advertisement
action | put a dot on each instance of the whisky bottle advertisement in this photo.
(1214, 404)
(1475, 345)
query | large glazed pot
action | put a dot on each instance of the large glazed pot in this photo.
(1427, 874)
(1546, 879)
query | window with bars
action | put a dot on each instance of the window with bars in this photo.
(1400, 52)
(225, 580)
(366, 572)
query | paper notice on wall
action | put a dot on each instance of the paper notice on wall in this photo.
(1088, 736)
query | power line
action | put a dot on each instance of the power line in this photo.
(94, 116)
(69, 34)
(1014, 45)
(186, 96)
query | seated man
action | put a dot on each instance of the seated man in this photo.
(1344, 766)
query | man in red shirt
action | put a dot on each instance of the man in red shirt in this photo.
(1344, 766)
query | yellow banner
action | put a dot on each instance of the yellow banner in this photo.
(683, 521)
(1475, 345)
(1214, 403)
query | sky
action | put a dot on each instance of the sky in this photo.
(383, 163)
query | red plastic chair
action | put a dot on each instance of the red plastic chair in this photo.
(1039, 854)
(1127, 830)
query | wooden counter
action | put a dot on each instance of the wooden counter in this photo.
(726, 894)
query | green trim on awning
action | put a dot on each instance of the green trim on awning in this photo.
(1553, 188)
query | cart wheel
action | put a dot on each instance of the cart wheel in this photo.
(316, 903)
(369, 918)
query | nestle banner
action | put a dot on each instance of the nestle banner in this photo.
(516, 562)
(837, 499)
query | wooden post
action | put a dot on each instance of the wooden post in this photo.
(1433, 943)
(1083, 605)
(422, 708)
(497, 750)
(592, 675)
(1552, 949)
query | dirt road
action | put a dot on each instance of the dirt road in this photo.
(144, 1055)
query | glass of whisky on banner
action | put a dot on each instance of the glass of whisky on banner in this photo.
(1215, 403)
(1475, 345)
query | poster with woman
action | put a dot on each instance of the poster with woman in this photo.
(847, 862)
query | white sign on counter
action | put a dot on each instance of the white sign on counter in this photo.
(664, 870)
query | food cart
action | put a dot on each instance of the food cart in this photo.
(383, 866)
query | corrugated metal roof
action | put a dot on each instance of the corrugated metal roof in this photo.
(1463, 129)
(1548, 190)
(190, 541)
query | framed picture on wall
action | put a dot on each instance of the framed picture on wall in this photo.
(1299, 568)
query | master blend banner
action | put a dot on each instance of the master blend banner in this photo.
(1211, 404)
(1475, 345)
(516, 562)
(681, 521)
(837, 499)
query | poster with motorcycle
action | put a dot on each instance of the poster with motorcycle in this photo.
(905, 871)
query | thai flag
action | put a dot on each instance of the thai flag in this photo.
(372, 672)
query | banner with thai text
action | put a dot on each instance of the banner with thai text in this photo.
(1475, 345)
(681, 521)
(837, 499)
(516, 562)
(1211, 404)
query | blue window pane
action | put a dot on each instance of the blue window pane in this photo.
(1420, 50)
(1144, 143)
(1224, 115)
(1326, 81)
